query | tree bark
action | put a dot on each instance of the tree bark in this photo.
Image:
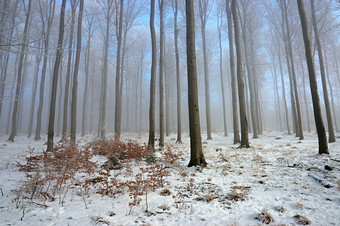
(242, 101)
(323, 147)
(161, 73)
(331, 135)
(55, 77)
(151, 141)
(75, 75)
(232, 74)
(196, 152)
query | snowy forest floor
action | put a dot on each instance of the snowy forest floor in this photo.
(279, 180)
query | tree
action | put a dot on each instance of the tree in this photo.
(204, 9)
(220, 15)
(178, 76)
(151, 141)
(242, 101)
(68, 72)
(55, 77)
(49, 11)
(323, 76)
(75, 75)
(161, 72)
(19, 78)
(323, 147)
(196, 152)
(118, 68)
(232, 74)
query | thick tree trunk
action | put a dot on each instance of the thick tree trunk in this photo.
(242, 101)
(323, 147)
(55, 75)
(232, 74)
(331, 134)
(18, 84)
(196, 156)
(151, 141)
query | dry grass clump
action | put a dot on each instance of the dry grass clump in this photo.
(302, 220)
(264, 217)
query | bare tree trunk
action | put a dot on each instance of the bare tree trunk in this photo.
(283, 89)
(331, 134)
(196, 156)
(203, 14)
(161, 73)
(178, 77)
(232, 74)
(304, 93)
(323, 147)
(242, 101)
(151, 141)
(219, 27)
(68, 73)
(55, 76)
(75, 75)
(60, 95)
(43, 73)
(18, 85)
(118, 68)
(299, 129)
(34, 89)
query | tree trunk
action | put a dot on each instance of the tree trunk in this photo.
(55, 75)
(43, 73)
(68, 74)
(151, 141)
(242, 101)
(203, 18)
(331, 134)
(34, 90)
(196, 152)
(232, 74)
(161, 73)
(18, 85)
(323, 147)
(75, 75)
(178, 77)
(219, 27)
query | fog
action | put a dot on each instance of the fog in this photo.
(273, 60)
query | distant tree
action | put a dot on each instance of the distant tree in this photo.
(151, 141)
(178, 75)
(220, 14)
(46, 11)
(323, 147)
(232, 74)
(55, 77)
(19, 76)
(323, 75)
(75, 75)
(196, 156)
(242, 101)
(204, 10)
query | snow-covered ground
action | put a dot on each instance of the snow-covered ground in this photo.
(279, 176)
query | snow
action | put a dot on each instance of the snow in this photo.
(279, 174)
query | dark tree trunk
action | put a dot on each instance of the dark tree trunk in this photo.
(331, 134)
(55, 77)
(242, 101)
(161, 73)
(196, 156)
(75, 75)
(151, 141)
(323, 147)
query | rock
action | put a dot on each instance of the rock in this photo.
(329, 168)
